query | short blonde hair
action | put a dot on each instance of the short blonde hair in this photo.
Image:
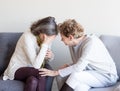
(71, 27)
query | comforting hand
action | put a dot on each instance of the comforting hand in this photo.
(64, 66)
(46, 72)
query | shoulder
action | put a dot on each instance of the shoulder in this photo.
(90, 41)
(27, 39)
(93, 41)
(28, 36)
(92, 38)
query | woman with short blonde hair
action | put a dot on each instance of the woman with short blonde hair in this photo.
(92, 64)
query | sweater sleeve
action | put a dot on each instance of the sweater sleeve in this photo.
(40, 58)
(36, 59)
(81, 64)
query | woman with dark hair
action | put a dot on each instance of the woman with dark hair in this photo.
(33, 52)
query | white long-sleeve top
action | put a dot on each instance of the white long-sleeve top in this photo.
(27, 54)
(91, 51)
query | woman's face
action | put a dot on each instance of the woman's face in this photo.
(67, 40)
(41, 36)
(46, 38)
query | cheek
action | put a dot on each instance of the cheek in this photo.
(42, 38)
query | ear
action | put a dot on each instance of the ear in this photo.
(71, 37)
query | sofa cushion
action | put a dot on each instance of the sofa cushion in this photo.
(9, 85)
(7, 46)
(110, 88)
(112, 43)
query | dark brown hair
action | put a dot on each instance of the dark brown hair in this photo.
(71, 27)
(46, 25)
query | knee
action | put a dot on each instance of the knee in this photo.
(82, 87)
(42, 77)
(32, 80)
(74, 79)
(78, 76)
(74, 75)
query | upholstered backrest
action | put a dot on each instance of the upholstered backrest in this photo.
(7, 46)
(112, 43)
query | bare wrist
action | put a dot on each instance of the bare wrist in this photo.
(56, 73)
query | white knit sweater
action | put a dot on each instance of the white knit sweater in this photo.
(27, 54)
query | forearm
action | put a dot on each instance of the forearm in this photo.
(40, 57)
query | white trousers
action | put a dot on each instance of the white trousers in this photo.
(84, 80)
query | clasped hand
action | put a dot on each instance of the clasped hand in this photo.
(49, 54)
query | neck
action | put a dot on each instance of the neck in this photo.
(77, 41)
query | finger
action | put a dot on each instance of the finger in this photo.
(42, 69)
(47, 55)
(45, 74)
(42, 73)
(48, 52)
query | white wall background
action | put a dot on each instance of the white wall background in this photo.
(97, 16)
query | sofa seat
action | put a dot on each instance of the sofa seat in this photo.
(9, 85)
(110, 88)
